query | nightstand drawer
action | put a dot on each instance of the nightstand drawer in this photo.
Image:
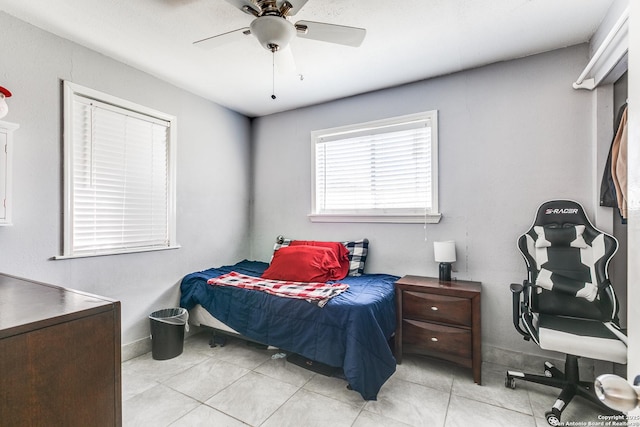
(437, 308)
(430, 337)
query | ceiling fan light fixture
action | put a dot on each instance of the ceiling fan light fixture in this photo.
(273, 32)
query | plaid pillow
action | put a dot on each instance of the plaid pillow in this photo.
(358, 251)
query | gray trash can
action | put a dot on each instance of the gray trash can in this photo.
(167, 332)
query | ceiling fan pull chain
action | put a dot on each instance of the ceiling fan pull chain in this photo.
(273, 74)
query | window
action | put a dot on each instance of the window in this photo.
(381, 171)
(119, 171)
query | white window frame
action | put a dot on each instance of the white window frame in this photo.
(6, 172)
(377, 215)
(70, 92)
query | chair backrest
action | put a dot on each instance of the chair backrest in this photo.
(567, 261)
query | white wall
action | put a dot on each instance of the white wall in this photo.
(212, 181)
(512, 135)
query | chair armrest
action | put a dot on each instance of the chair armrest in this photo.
(516, 288)
(518, 307)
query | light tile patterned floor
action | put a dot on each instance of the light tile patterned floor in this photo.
(240, 385)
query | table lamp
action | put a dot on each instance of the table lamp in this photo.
(445, 254)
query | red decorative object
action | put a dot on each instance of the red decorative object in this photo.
(4, 108)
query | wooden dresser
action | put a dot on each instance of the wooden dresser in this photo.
(439, 319)
(59, 356)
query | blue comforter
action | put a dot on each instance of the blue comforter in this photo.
(351, 331)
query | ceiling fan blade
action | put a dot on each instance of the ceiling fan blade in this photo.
(244, 4)
(222, 39)
(296, 6)
(340, 34)
(284, 61)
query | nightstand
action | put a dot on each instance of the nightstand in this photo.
(439, 319)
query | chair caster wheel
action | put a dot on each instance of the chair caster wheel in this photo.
(553, 417)
(510, 382)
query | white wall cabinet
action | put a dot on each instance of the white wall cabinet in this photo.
(6, 152)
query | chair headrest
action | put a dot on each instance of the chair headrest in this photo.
(560, 213)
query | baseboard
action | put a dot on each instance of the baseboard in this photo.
(136, 348)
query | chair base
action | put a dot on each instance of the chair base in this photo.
(569, 383)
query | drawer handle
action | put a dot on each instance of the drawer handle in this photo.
(434, 339)
(434, 308)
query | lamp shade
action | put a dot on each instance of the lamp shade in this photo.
(444, 251)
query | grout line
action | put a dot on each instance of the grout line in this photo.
(446, 413)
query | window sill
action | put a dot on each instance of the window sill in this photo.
(388, 219)
(129, 251)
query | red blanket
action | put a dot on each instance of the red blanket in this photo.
(314, 292)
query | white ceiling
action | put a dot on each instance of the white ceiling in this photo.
(406, 41)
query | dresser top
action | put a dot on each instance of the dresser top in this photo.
(26, 305)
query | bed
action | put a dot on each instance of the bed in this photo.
(352, 331)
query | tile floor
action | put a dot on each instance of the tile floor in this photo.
(240, 385)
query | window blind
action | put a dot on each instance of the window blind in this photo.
(384, 168)
(120, 180)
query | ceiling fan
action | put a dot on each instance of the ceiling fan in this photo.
(274, 31)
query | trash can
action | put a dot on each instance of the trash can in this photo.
(167, 332)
